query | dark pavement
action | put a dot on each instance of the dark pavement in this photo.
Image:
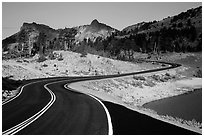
(76, 113)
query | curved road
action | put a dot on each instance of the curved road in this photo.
(45, 107)
(70, 113)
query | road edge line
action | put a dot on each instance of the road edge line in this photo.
(110, 127)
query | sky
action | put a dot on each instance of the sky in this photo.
(69, 14)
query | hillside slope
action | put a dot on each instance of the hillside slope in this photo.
(39, 35)
(180, 33)
(191, 16)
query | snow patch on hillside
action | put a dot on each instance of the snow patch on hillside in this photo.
(71, 65)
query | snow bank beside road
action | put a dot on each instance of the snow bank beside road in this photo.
(133, 93)
(190, 83)
(136, 92)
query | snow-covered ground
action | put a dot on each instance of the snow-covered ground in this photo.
(71, 65)
(134, 91)
(75, 65)
(138, 90)
(129, 91)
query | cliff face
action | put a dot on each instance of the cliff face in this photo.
(27, 40)
(37, 28)
(29, 34)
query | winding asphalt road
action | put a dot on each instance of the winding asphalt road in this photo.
(45, 107)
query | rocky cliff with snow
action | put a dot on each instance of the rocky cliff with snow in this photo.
(33, 35)
(94, 30)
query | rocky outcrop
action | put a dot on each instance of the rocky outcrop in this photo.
(28, 36)
(94, 30)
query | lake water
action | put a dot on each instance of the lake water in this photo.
(129, 122)
(187, 106)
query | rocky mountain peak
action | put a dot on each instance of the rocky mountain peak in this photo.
(95, 22)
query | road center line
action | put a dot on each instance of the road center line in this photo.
(27, 122)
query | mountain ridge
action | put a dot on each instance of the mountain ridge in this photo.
(182, 29)
(144, 26)
(79, 33)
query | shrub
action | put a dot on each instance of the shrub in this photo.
(156, 77)
(149, 83)
(137, 84)
(167, 74)
(83, 54)
(198, 74)
(60, 57)
(41, 59)
(26, 61)
(51, 56)
(44, 65)
(10, 84)
(139, 78)
(164, 79)
(19, 61)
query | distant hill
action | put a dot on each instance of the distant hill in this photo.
(193, 16)
(179, 33)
